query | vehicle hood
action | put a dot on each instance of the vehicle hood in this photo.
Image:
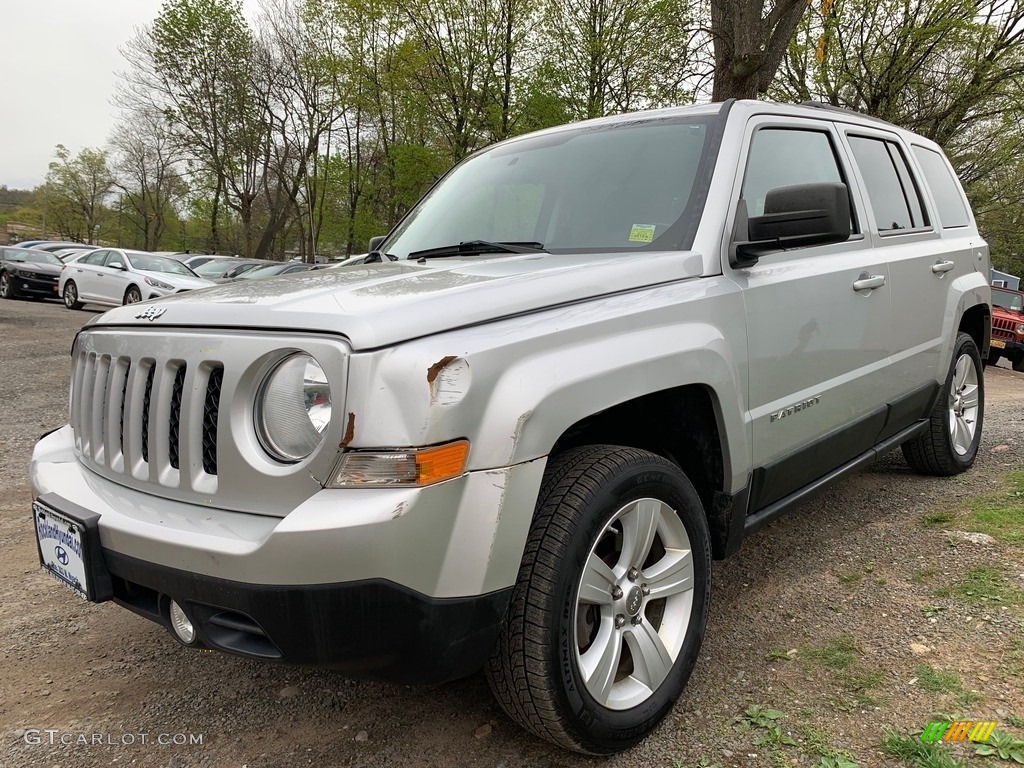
(178, 281)
(375, 305)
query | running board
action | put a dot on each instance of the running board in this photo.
(764, 516)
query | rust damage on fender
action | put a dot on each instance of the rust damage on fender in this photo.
(437, 367)
(350, 431)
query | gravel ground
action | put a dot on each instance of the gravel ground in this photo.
(854, 569)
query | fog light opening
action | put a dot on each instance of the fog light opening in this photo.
(181, 626)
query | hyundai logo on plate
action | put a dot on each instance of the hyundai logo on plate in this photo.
(150, 313)
(62, 555)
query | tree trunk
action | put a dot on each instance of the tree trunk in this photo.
(750, 42)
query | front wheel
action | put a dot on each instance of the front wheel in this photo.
(6, 289)
(71, 295)
(609, 609)
(132, 296)
(950, 444)
(1018, 364)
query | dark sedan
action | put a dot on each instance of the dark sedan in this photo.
(28, 272)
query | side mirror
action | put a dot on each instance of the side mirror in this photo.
(375, 242)
(116, 265)
(794, 217)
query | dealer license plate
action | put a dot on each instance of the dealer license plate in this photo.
(61, 547)
(997, 343)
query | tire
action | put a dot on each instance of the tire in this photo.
(994, 358)
(6, 289)
(71, 295)
(132, 295)
(1018, 364)
(569, 616)
(950, 444)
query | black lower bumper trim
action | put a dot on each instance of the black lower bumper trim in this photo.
(372, 629)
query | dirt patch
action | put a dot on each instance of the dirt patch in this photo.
(828, 617)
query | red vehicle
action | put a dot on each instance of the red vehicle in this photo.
(1007, 328)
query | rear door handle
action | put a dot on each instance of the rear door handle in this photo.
(942, 266)
(868, 282)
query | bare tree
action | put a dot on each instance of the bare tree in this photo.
(750, 39)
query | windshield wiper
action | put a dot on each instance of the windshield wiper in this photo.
(470, 247)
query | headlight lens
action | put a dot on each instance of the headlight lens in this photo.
(1020, 328)
(159, 284)
(293, 408)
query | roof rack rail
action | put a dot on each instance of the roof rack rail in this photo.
(844, 110)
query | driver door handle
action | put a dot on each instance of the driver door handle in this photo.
(868, 282)
(942, 266)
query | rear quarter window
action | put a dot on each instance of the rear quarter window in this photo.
(945, 188)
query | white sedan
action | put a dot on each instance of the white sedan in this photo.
(113, 276)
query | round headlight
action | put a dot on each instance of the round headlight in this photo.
(293, 408)
(1020, 328)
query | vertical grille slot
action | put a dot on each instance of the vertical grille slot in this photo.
(211, 412)
(145, 412)
(124, 393)
(174, 418)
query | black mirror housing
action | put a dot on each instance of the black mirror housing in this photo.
(375, 242)
(795, 217)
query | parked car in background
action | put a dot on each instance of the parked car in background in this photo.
(198, 259)
(73, 254)
(228, 268)
(273, 270)
(52, 245)
(28, 272)
(113, 276)
(1007, 328)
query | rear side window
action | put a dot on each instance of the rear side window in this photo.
(96, 258)
(945, 189)
(891, 191)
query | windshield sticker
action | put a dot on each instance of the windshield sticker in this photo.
(641, 233)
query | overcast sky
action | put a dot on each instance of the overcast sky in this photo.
(59, 63)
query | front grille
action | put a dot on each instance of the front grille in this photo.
(1003, 324)
(175, 417)
(133, 416)
(145, 413)
(211, 412)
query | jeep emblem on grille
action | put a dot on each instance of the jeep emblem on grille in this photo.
(150, 313)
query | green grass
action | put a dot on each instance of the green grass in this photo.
(849, 578)
(938, 519)
(817, 745)
(923, 575)
(984, 585)
(777, 654)
(938, 680)
(838, 653)
(1000, 513)
(945, 681)
(911, 751)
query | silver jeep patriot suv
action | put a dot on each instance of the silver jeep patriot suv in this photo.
(590, 361)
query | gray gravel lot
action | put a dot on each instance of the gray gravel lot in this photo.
(855, 563)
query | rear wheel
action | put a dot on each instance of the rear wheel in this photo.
(71, 295)
(950, 444)
(609, 609)
(132, 296)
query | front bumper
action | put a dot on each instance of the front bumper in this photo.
(1011, 349)
(406, 585)
(45, 287)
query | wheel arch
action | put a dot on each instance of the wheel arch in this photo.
(682, 424)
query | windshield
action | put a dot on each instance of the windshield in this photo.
(610, 187)
(31, 256)
(148, 263)
(268, 271)
(1007, 300)
(215, 268)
